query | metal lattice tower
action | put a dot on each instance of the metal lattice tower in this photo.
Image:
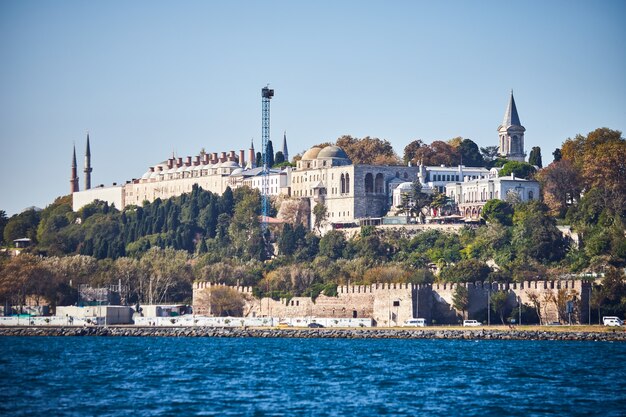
(266, 95)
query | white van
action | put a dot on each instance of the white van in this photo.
(471, 323)
(612, 321)
(415, 323)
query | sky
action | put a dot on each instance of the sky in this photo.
(148, 78)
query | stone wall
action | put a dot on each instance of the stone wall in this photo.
(392, 304)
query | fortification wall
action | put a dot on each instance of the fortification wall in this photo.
(392, 304)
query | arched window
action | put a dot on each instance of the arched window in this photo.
(406, 175)
(343, 184)
(397, 174)
(379, 186)
(369, 183)
(348, 183)
(530, 195)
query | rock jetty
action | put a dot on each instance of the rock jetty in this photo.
(476, 334)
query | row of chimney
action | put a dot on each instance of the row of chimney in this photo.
(207, 159)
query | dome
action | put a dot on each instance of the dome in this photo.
(236, 171)
(405, 186)
(332, 152)
(311, 154)
(146, 175)
(230, 164)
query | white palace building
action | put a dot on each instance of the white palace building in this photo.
(351, 192)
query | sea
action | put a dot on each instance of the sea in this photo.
(152, 376)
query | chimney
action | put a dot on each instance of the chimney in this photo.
(188, 162)
(214, 158)
(170, 163)
(242, 162)
(231, 157)
(251, 158)
(151, 169)
(179, 162)
(197, 161)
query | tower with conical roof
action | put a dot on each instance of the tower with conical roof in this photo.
(88, 168)
(511, 134)
(74, 177)
(285, 151)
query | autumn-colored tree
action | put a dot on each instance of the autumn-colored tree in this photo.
(437, 153)
(561, 184)
(604, 168)
(410, 150)
(223, 301)
(369, 151)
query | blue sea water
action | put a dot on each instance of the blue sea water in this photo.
(118, 376)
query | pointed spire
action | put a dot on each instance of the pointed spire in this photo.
(511, 118)
(285, 151)
(88, 168)
(88, 151)
(252, 143)
(74, 175)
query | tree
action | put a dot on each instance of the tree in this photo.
(467, 270)
(270, 154)
(557, 155)
(3, 222)
(519, 169)
(498, 211)
(167, 275)
(259, 159)
(410, 150)
(535, 157)
(535, 234)
(437, 153)
(332, 244)
(498, 303)
(245, 228)
(279, 158)
(224, 302)
(368, 150)
(320, 214)
(562, 186)
(489, 153)
(470, 154)
(22, 225)
(460, 299)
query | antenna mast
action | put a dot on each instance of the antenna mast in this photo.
(266, 95)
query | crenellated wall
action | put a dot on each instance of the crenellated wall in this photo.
(392, 304)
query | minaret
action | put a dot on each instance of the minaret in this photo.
(88, 168)
(285, 151)
(74, 178)
(251, 156)
(511, 134)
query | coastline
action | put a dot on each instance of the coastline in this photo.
(328, 333)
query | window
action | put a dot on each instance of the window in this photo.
(530, 195)
(380, 184)
(347, 183)
(343, 184)
(369, 183)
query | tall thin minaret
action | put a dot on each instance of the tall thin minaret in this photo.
(88, 168)
(74, 178)
(285, 151)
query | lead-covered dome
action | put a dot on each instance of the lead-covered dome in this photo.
(333, 152)
(311, 154)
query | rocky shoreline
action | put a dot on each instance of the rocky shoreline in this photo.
(475, 334)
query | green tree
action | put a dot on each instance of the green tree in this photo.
(320, 216)
(470, 154)
(498, 304)
(519, 169)
(535, 234)
(332, 244)
(460, 299)
(3, 222)
(498, 211)
(279, 158)
(467, 270)
(535, 157)
(22, 225)
(557, 155)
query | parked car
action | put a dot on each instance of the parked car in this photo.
(612, 321)
(315, 325)
(415, 323)
(471, 323)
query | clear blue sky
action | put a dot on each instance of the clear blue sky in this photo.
(148, 77)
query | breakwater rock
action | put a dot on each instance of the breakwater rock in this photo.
(478, 334)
